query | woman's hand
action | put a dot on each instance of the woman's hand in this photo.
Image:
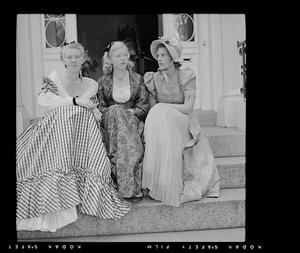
(85, 102)
(97, 114)
(131, 111)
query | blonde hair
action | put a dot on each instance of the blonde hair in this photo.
(72, 44)
(107, 66)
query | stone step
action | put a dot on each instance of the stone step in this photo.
(149, 216)
(232, 172)
(210, 235)
(207, 117)
(225, 142)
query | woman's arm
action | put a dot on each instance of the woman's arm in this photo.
(188, 86)
(151, 100)
(102, 106)
(90, 91)
(141, 107)
(86, 99)
(49, 97)
(185, 108)
(51, 100)
(150, 87)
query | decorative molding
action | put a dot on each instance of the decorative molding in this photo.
(71, 27)
(204, 63)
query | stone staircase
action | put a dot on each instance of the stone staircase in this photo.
(150, 216)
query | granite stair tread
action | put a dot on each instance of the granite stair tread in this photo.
(232, 171)
(217, 131)
(225, 195)
(210, 235)
(230, 160)
(148, 216)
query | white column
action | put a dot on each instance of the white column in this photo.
(71, 27)
(167, 24)
(231, 104)
(24, 75)
(216, 56)
(37, 59)
(29, 68)
(205, 62)
(22, 117)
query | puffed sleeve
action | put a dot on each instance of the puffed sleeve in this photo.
(48, 86)
(150, 86)
(92, 89)
(48, 95)
(188, 82)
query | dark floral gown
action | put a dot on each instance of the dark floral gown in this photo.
(123, 132)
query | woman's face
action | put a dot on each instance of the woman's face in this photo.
(164, 58)
(119, 58)
(73, 59)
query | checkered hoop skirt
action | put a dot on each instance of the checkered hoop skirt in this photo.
(62, 163)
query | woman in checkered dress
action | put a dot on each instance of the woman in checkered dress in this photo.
(62, 164)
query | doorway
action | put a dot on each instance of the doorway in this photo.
(95, 32)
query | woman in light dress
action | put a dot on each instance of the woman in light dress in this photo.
(178, 163)
(124, 104)
(62, 166)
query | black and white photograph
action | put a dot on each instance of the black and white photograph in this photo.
(131, 129)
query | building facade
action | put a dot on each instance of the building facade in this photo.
(209, 48)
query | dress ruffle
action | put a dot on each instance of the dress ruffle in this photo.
(62, 163)
(78, 187)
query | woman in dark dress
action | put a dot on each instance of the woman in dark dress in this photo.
(123, 102)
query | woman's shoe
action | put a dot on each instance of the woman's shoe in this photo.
(134, 199)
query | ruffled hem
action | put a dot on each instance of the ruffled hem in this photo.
(49, 222)
(55, 191)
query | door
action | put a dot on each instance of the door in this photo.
(57, 29)
(95, 32)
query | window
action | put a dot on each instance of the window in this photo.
(184, 27)
(54, 30)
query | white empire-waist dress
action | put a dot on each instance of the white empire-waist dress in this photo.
(178, 164)
(62, 166)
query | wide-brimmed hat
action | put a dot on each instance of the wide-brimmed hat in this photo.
(173, 46)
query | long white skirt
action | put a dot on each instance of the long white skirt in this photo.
(178, 163)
